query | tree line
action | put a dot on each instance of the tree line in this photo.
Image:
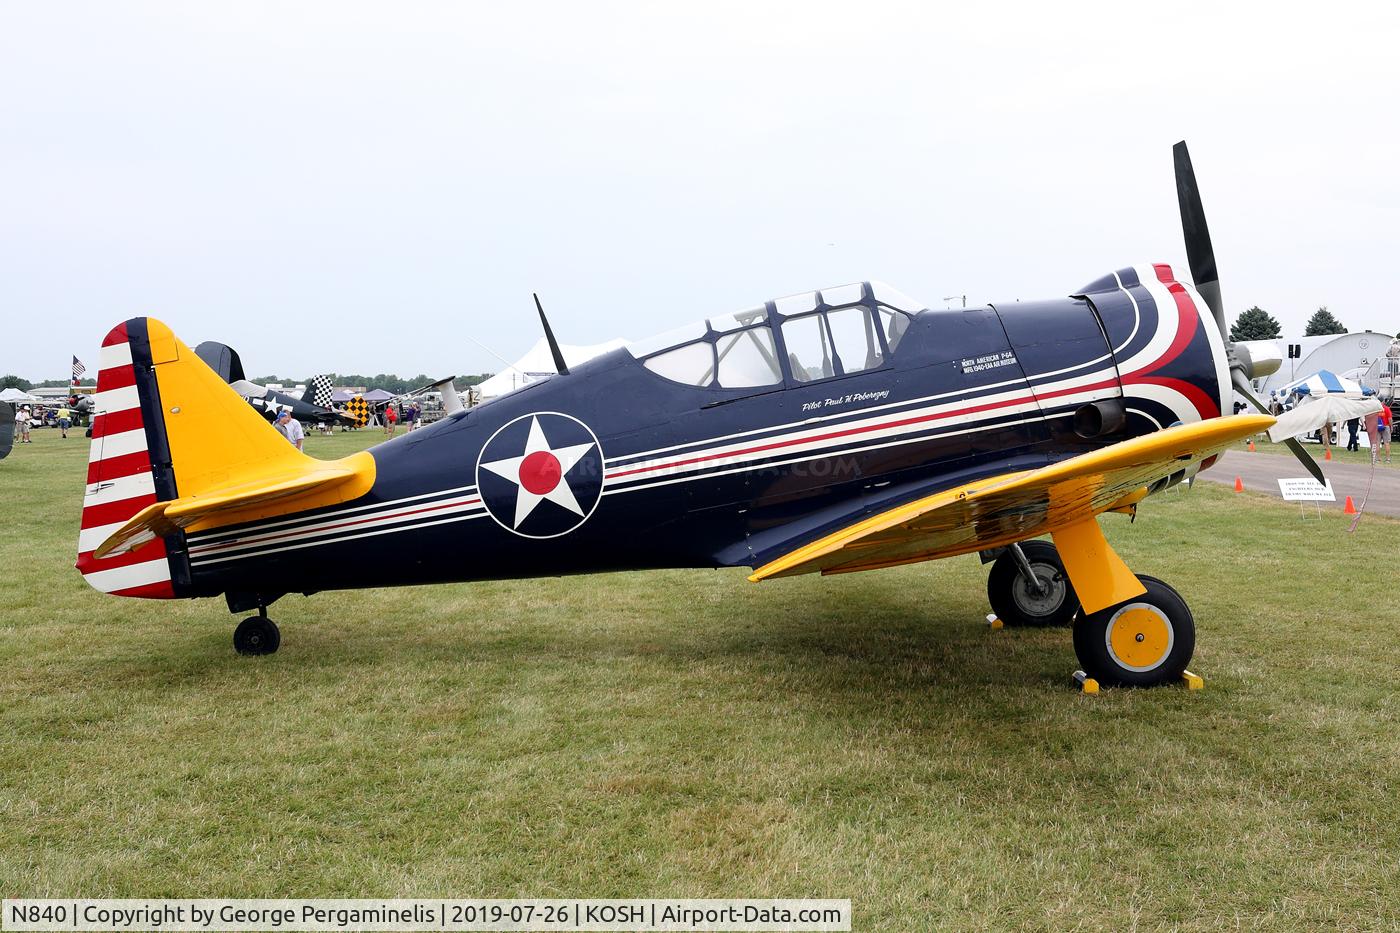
(1258, 324)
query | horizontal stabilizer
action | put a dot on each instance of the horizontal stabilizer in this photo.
(163, 518)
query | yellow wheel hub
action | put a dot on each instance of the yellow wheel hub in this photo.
(1139, 637)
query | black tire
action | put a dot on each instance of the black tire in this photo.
(256, 635)
(1009, 591)
(1160, 646)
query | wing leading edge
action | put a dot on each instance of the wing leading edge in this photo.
(1012, 507)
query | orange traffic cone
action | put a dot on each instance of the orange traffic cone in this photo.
(1350, 508)
(1251, 445)
(1239, 484)
(1328, 455)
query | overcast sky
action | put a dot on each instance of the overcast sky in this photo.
(366, 187)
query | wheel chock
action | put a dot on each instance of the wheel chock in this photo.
(1086, 683)
(1193, 681)
(994, 622)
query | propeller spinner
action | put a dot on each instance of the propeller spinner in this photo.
(1200, 255)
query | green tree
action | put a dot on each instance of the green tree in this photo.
(15, 382)
(1255, 324)
(1324, 322)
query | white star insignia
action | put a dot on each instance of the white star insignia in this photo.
(538, 474)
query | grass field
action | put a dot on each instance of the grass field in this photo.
(692, 734)
(1339, 452)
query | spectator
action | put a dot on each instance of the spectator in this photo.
(22, 419)
(1385, 427)
(391, 420)
(1353, 426)
(291, 429)
(65, 419)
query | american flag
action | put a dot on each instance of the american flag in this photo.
(78, 370)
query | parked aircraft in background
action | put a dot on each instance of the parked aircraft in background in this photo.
(317, 409)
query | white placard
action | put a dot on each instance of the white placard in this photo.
(1306, 489)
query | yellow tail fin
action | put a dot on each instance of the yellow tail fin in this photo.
(229, 464)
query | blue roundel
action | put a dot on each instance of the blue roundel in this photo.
(541, 475)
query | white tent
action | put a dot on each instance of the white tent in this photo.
(18, 397)
(539, 362)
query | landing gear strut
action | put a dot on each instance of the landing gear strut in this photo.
(1028, 585)
(257, 635)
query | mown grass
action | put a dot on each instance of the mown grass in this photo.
(691, 734)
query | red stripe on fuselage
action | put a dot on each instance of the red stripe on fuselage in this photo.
(1188, 319)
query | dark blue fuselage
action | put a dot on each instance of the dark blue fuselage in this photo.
(656, 473)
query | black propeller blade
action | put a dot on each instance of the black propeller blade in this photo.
(560, 366)
(1243, 387)
(1199, 252)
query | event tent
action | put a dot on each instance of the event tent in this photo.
(1324, 382)
(378, 395)
(1324, 398)
(18, 397)
(539, 362)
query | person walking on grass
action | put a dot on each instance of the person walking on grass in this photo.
(391, 420)
(1353, 426)
(65, 420)
(291, 429)
(22, 419)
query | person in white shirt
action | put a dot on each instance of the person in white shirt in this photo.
(22, 419)
(291, 429)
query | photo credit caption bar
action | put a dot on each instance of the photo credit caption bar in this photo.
(326, 914)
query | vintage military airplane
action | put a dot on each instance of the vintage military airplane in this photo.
(838, 430)
(312, 408)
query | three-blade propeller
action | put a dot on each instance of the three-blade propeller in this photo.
(1201, 258)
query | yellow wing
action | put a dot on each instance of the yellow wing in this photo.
(1012, 507)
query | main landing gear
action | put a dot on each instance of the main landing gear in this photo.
(1130, 630)
(257, 635)
(1028, 586)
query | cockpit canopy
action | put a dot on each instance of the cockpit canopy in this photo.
(819, 335)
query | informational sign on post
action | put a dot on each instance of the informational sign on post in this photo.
(1306, 489)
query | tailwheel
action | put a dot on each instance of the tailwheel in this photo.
(256, 635)
(1145, 641)
(1028, 586)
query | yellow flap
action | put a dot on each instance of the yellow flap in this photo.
(1012, 507)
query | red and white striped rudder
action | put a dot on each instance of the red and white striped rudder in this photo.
(120, 480)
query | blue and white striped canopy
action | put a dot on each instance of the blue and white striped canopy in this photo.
(1324, 382)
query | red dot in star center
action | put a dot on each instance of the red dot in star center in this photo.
(540, 472)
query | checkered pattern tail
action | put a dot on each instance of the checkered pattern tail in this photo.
(320, 391)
